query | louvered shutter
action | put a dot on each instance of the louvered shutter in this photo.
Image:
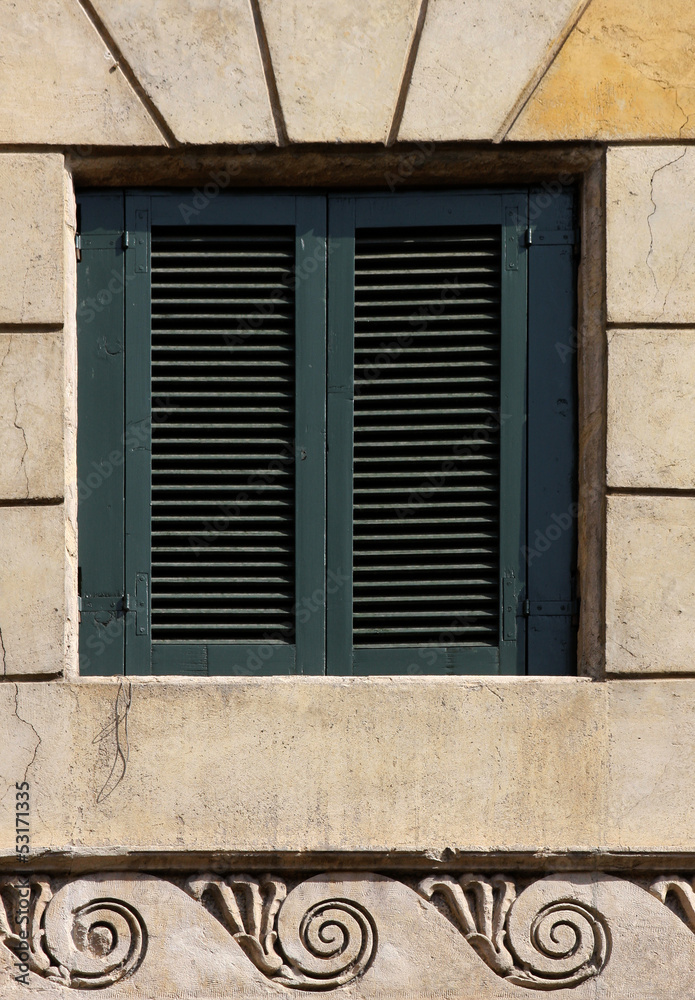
(426, 431)
(224, 435)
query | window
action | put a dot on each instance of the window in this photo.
(326, 433)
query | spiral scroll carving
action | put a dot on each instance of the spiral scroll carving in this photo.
(558, 945)
(105, 942)
(327, 943)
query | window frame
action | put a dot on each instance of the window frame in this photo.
(146, 208)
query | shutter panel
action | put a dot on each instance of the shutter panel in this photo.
(426, 437)
(428, 368)
(215, 498)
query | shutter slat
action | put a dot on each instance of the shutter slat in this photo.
(223, 414)
(426, 476)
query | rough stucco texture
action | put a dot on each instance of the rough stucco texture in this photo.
(627, 71)
(32, 590)
(650, 194)
(61, 84)
(650, 585)
(348, 764)
(31, 251)
(472, 66)
(651, 447)
(199, 63)
(31, 415)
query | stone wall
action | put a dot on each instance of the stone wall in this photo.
(423, 780)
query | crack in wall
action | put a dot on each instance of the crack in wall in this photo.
(651, 230)
(4, 655)
(24, 436)
(119, 728)
(30, 725)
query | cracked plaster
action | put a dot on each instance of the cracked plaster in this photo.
(31, 412)
(627, 71)
(650, 193)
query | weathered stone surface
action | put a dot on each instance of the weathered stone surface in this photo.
(650, 585)
(32, 589)
(61, 84)
(31, 253)
(589, 936)
(626, 72)
(338, 66)
(31, 415)
(302, 764)
(651, 234)
(199, 63)
(651, 409)
(473, 62)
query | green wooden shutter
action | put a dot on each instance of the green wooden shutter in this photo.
(100, 444)
(224, 436)
(427, 376)
(202, 434)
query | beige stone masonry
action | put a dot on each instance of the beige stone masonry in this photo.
(650, 585)
(31, 415)
(32, 590)
(60, 83)
(626, 72)
(651, 234)
(342, 764)
(31, 251)
(474, 61)
(199, 63)
(651, 409)
(339, 65)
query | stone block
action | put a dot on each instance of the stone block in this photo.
(32, 590)
(650, 209)
(651, 409)
(32, 207)
(650, 585)
(31, 415)
(61, 84)
(338, 65)
(474, 61)
(199, 63)
(625, 72)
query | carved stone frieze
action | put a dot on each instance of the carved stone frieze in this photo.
(265, 935)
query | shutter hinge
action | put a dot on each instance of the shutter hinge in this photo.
(78, 247)
(551, 237)
(534, 609)
(123, 604)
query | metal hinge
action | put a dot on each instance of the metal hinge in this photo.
(78, 247)
(533, 609)
(123, 604)
(551, 237)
